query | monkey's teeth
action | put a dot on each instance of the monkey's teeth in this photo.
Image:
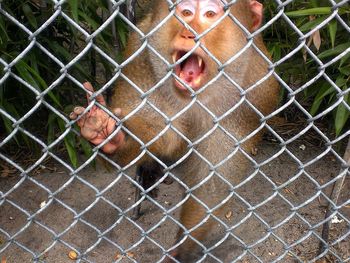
(200, 61)
(182, 75)
(174, 58)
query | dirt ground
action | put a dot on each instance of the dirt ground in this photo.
(105, 226)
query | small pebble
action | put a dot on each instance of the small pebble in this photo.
(73, 255)
(228, 215)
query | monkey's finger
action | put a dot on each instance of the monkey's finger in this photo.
(85, 120)
(119, 139)
(78, 110)
(100, 99)
(73, 116)
(109, 148)
(87, 85)
(117, 112)
(81, 121)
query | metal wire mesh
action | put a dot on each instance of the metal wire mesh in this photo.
(280, 204)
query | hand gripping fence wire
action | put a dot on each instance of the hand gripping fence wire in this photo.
(42, 223)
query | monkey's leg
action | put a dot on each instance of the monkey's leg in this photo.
(192, 214)
(147, 174)
(139, 179)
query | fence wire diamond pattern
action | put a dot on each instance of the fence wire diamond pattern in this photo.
(52, 211)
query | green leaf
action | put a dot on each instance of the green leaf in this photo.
(325, 90)
(334, 51)
(33, 61)
(29, 15)
(341, 116)
(314, 3)
(25, 75)
(51, 121)
(8, 127)
(315, 11)
(311, 24)
(341, 81)
(85, 146)
(10, 108)
(332, 29)
(28, 73)
(89, 20)
(71, 152)
(3, 33)
(122, 32)
(344, 59)
(311, 11)
(59, 50)
(69, 141)
(74, 4)
(276, 52)
(36, 76)
(345, 70)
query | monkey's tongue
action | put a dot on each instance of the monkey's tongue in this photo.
(190, 71)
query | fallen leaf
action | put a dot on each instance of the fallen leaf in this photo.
(336, 220)
(316, 39)
(254, 151)
(42, 204)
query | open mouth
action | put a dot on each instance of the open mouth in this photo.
(190, 71)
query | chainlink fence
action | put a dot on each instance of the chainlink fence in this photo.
(294, 206)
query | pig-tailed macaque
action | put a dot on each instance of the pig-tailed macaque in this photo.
(199, 91)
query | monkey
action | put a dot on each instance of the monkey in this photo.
(194, 100)
(147, 174)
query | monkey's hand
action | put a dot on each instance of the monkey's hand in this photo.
(96, 125)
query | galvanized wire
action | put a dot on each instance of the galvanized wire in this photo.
(335, 209)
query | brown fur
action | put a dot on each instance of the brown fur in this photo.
(147, 69)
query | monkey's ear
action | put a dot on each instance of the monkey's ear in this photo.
(257, 13)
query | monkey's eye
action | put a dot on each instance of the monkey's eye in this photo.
(186, 13)
(210, 14)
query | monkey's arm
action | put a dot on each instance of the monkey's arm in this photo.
(96, 126)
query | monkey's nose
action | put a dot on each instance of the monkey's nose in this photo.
(187, 34)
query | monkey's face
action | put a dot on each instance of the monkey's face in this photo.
(193, 64)
(198, 53)
(202, 37)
